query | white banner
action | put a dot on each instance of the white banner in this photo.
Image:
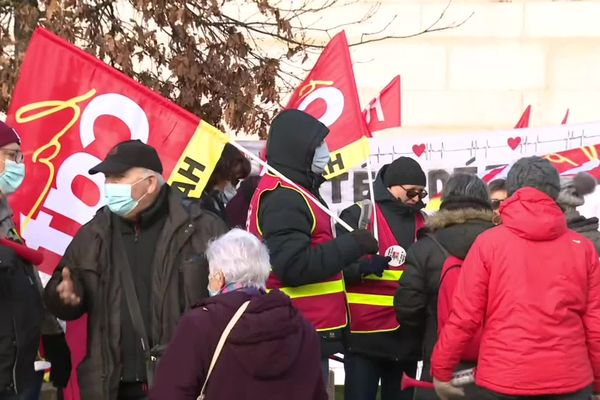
(440, 156)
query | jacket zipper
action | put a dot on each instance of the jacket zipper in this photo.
(14, 371)
(137, 230)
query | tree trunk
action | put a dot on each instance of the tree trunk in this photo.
(27, 14)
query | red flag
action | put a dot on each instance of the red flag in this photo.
(70, 109)
(568, 162)
(524, 121)
(564, 121)
(383, 111)
(329, 94)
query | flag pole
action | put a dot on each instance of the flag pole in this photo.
(372, 196)
(264, 164)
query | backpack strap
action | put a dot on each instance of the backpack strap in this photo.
(439, 245)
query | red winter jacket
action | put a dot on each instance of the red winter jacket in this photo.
(536, 287)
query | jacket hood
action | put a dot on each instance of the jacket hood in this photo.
(293, 138)
(457, 230)
(383, 195)
(269, 337)
(533, 215)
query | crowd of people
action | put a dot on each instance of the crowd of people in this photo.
(249, 291)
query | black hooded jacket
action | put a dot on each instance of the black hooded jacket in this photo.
(21, 312)
(404, 343)
(284, 217)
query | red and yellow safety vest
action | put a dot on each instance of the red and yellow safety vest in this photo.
(371, 302)
(321, 303)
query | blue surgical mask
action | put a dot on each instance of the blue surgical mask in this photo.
(119, 199)
(12, 177)
(320, 159)
(228, 193)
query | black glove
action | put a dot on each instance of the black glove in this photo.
(366, 241)
(374, 264)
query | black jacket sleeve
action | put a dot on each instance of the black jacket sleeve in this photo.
(286, 223)
(350, 215)
(411, 299)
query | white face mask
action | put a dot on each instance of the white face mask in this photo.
(320, 159)
(228, 192)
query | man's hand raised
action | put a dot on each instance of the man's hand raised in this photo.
(66, 289)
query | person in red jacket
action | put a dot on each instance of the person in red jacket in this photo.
(535, 286)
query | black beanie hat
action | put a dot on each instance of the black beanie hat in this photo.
(404, 171)
(535, 172)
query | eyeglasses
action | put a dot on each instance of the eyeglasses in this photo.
(496, 203)
(14, 155)
(410, 193)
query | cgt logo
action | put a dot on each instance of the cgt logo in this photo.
(329, 94)
(55, 196)
(324, 92)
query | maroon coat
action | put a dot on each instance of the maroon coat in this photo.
(272, 352)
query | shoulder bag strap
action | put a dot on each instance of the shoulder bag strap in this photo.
(442, 248)
(221, 343)
(133, 305)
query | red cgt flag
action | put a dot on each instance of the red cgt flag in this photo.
(70, 109)
(524, 121)
(566, 118)
(383, 112)
(329, 94)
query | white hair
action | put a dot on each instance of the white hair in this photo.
(241, 257)
(148, 172)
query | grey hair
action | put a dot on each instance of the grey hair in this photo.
(241, 257)
(148, 172)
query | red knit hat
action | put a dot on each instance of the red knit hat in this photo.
(8, 135)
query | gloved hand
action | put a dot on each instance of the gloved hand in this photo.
(366, 241)
(446, 391)
(374, 264)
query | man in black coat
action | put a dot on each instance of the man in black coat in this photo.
(375, 349)
(464, 214)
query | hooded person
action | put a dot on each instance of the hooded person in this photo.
(531, 287)
(572, 195)
(378, 348)
(465, 213)
(306, 260)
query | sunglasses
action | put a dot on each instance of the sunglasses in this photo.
(411, 193)
(496, 203)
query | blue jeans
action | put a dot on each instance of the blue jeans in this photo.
(364, 373)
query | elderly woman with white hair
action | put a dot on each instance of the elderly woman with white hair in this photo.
(241, 343)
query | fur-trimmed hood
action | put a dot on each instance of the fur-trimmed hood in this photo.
(456, 230)
(445, 218)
